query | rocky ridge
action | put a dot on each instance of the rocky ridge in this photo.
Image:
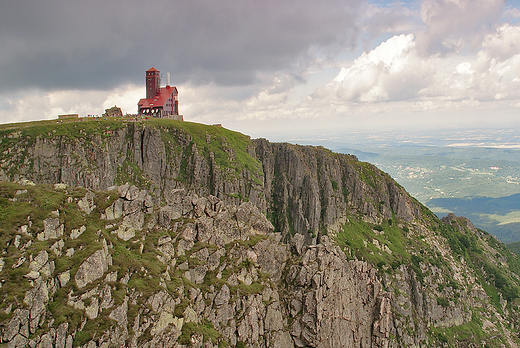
(303, 189)
(180, 256)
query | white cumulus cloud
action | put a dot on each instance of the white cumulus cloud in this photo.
(392, 71)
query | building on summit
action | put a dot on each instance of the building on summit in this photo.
(161, 102)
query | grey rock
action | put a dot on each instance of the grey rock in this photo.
(223, 296)
(12, 329)
(52, 229)
(184, 245)
(132, 193)
(169, 213)
(106, 296)
(36, 299)
(93, 267)
(75, 233)
(196, 274)
(111, 277)
(214, 259)
(46, 341)
(190, 315)
(114, 211)
(125, 232)
(297, 243)
(123, 190)
(17, 342)
(205, 231)
(282, 340)
(86, 204)
(16, 241)
(202, 254)
(39, 261)
(119, 314)
(273, 320)
(61, 335)
(189, 233)
(92, 310)
(162, 301)
(56, 247)
(19, 262)
(168, 252)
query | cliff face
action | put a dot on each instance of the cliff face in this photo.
(159, 155)
(170, 234)
(311, 189)
(305, 190)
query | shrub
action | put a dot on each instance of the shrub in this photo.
(443, 302)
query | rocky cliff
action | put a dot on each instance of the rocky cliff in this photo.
(312, 190)
(305, 190)
(170, 234)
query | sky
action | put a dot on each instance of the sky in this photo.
(274, 69)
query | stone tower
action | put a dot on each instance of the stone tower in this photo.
(153, 82)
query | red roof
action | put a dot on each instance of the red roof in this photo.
(159, 99)
(152, 69)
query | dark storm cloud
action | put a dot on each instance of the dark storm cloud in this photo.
(99, 44)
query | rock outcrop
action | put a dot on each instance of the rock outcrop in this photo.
(198, 272)
(312, 190)
(161, 158)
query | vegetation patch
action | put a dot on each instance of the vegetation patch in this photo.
(464, 335)
(205, 329)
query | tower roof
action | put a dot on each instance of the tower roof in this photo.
(152, 69)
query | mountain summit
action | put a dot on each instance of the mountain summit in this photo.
(162, 233)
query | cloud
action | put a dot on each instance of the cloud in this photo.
(492, 74)
(511, 12)
(98, 44)
(452, 24)
(392, 71)
(34, 105)
(395, 74)
(378, 19)
(264, 66)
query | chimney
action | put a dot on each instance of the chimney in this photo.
(167, 79)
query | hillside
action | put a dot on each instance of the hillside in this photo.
(170, 234)
(477, 182)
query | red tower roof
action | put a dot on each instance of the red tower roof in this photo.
(159, 99)
(152, 69)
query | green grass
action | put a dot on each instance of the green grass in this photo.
(71, 129)
(514, 247)
(356, 233)
(230, 149)
(220, 140)
(464, 335)
(205, 329)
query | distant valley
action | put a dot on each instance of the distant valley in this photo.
(478, 183)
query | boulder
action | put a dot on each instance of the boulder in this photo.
(93, 267)
(52, 229)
